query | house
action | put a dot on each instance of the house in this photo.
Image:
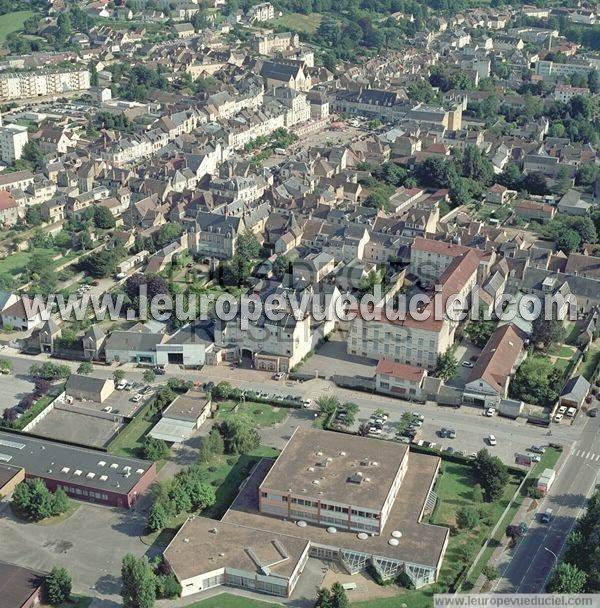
(185, 415)
(9, 209)
(20, 587)
(89, 388)
(46, 335)
(574, 392)
(572, 203)
(93, 342)
(533, 210)
(489, 379)
(138, 345)
(498, 195)
(400, 379)
(184, 30)
(289, 73)
(23, 315)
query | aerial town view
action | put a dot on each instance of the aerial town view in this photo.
(299, 303)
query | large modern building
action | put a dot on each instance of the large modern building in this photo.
(352, 500)
(84, 474)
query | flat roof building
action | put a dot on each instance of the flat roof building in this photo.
(186, 414)
(84, 474)
(328, 520)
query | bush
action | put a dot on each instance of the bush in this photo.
(167, 586)
(58, 586)
(155, 449)
(467, 517)
(32, 499)
(534, 493)
(217, 482)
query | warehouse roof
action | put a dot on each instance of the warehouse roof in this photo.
(17, 584)
(71, 464)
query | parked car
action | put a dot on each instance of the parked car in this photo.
(278, 376)
(159, 371)
(490, 412)
(375, 431)
(558, 417)
(546, 516)
(492, 440)
(403, 439)
(137, 397)
(417, 424)
(418, 416)
(571, 412)
(468, 364)
(536, 449)
(593, 413)
(451, 434)
(121, 385)
(535, 457)
(306, 402)
(442, 433)
(562, 409)
(108, 409)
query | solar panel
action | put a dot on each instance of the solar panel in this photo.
(12, 444)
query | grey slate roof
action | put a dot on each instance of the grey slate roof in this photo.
(576, 389)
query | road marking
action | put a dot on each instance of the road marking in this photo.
(597, 458)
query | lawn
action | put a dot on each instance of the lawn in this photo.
(77, 601)
(12, 22)
(16, 262)
(227, 474)
(592, 359)
(130, 440)
(262, 414)
(563, 351)
(299, 22)
(227, 600)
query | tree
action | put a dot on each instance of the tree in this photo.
(567, 578)
(280, 267)
(535, 183)
(40, 270)
(149, 376)
(351, 410)
(537, 381)
(155, 449)
(103, 218)
(6, 365)
(246, 250)
(339, 599)
(477, 494)
(50, 371)
(467, 517)
(139, 583)
(446, 365)
(85, 368)
(215, 442)
(34, 500)
(158, 516)
(32, 153)
(118, 375)
(364, 428)
(545, 332)
(479, 332)
(568, 242)
(328, 405)
(239, 434)
(153, 284)
(100, 264)
(323, 598)
(491, 473)
(58, 586)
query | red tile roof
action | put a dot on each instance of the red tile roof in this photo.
(401, 370)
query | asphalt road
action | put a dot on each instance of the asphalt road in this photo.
(471, 426)
(526, 568)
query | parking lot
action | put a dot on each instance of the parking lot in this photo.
(13, 388)
(331, 358)
(466, 354)
(438, 431)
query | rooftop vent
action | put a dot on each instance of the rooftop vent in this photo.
(362, 536)
(343, 454)
(394, 542)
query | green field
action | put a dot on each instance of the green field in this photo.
(299, 22)
(227, 600)
(130, 440)
(12, 22)
(16, 262)
(262, 414)
(227, 473)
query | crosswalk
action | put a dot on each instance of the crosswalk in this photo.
(587, 455)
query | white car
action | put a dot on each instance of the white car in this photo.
(278, 376)
(558, 417)
(108, 409)
(137, 398)
(490, 412)
(375, 431)
(571, 412)
(535, 457)
(492, 440)
(562, 409)
(121, 385)
(417, 424)
(306, 402)
(468, 364)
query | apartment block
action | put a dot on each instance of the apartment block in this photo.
(41, 83)
(12, 141)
